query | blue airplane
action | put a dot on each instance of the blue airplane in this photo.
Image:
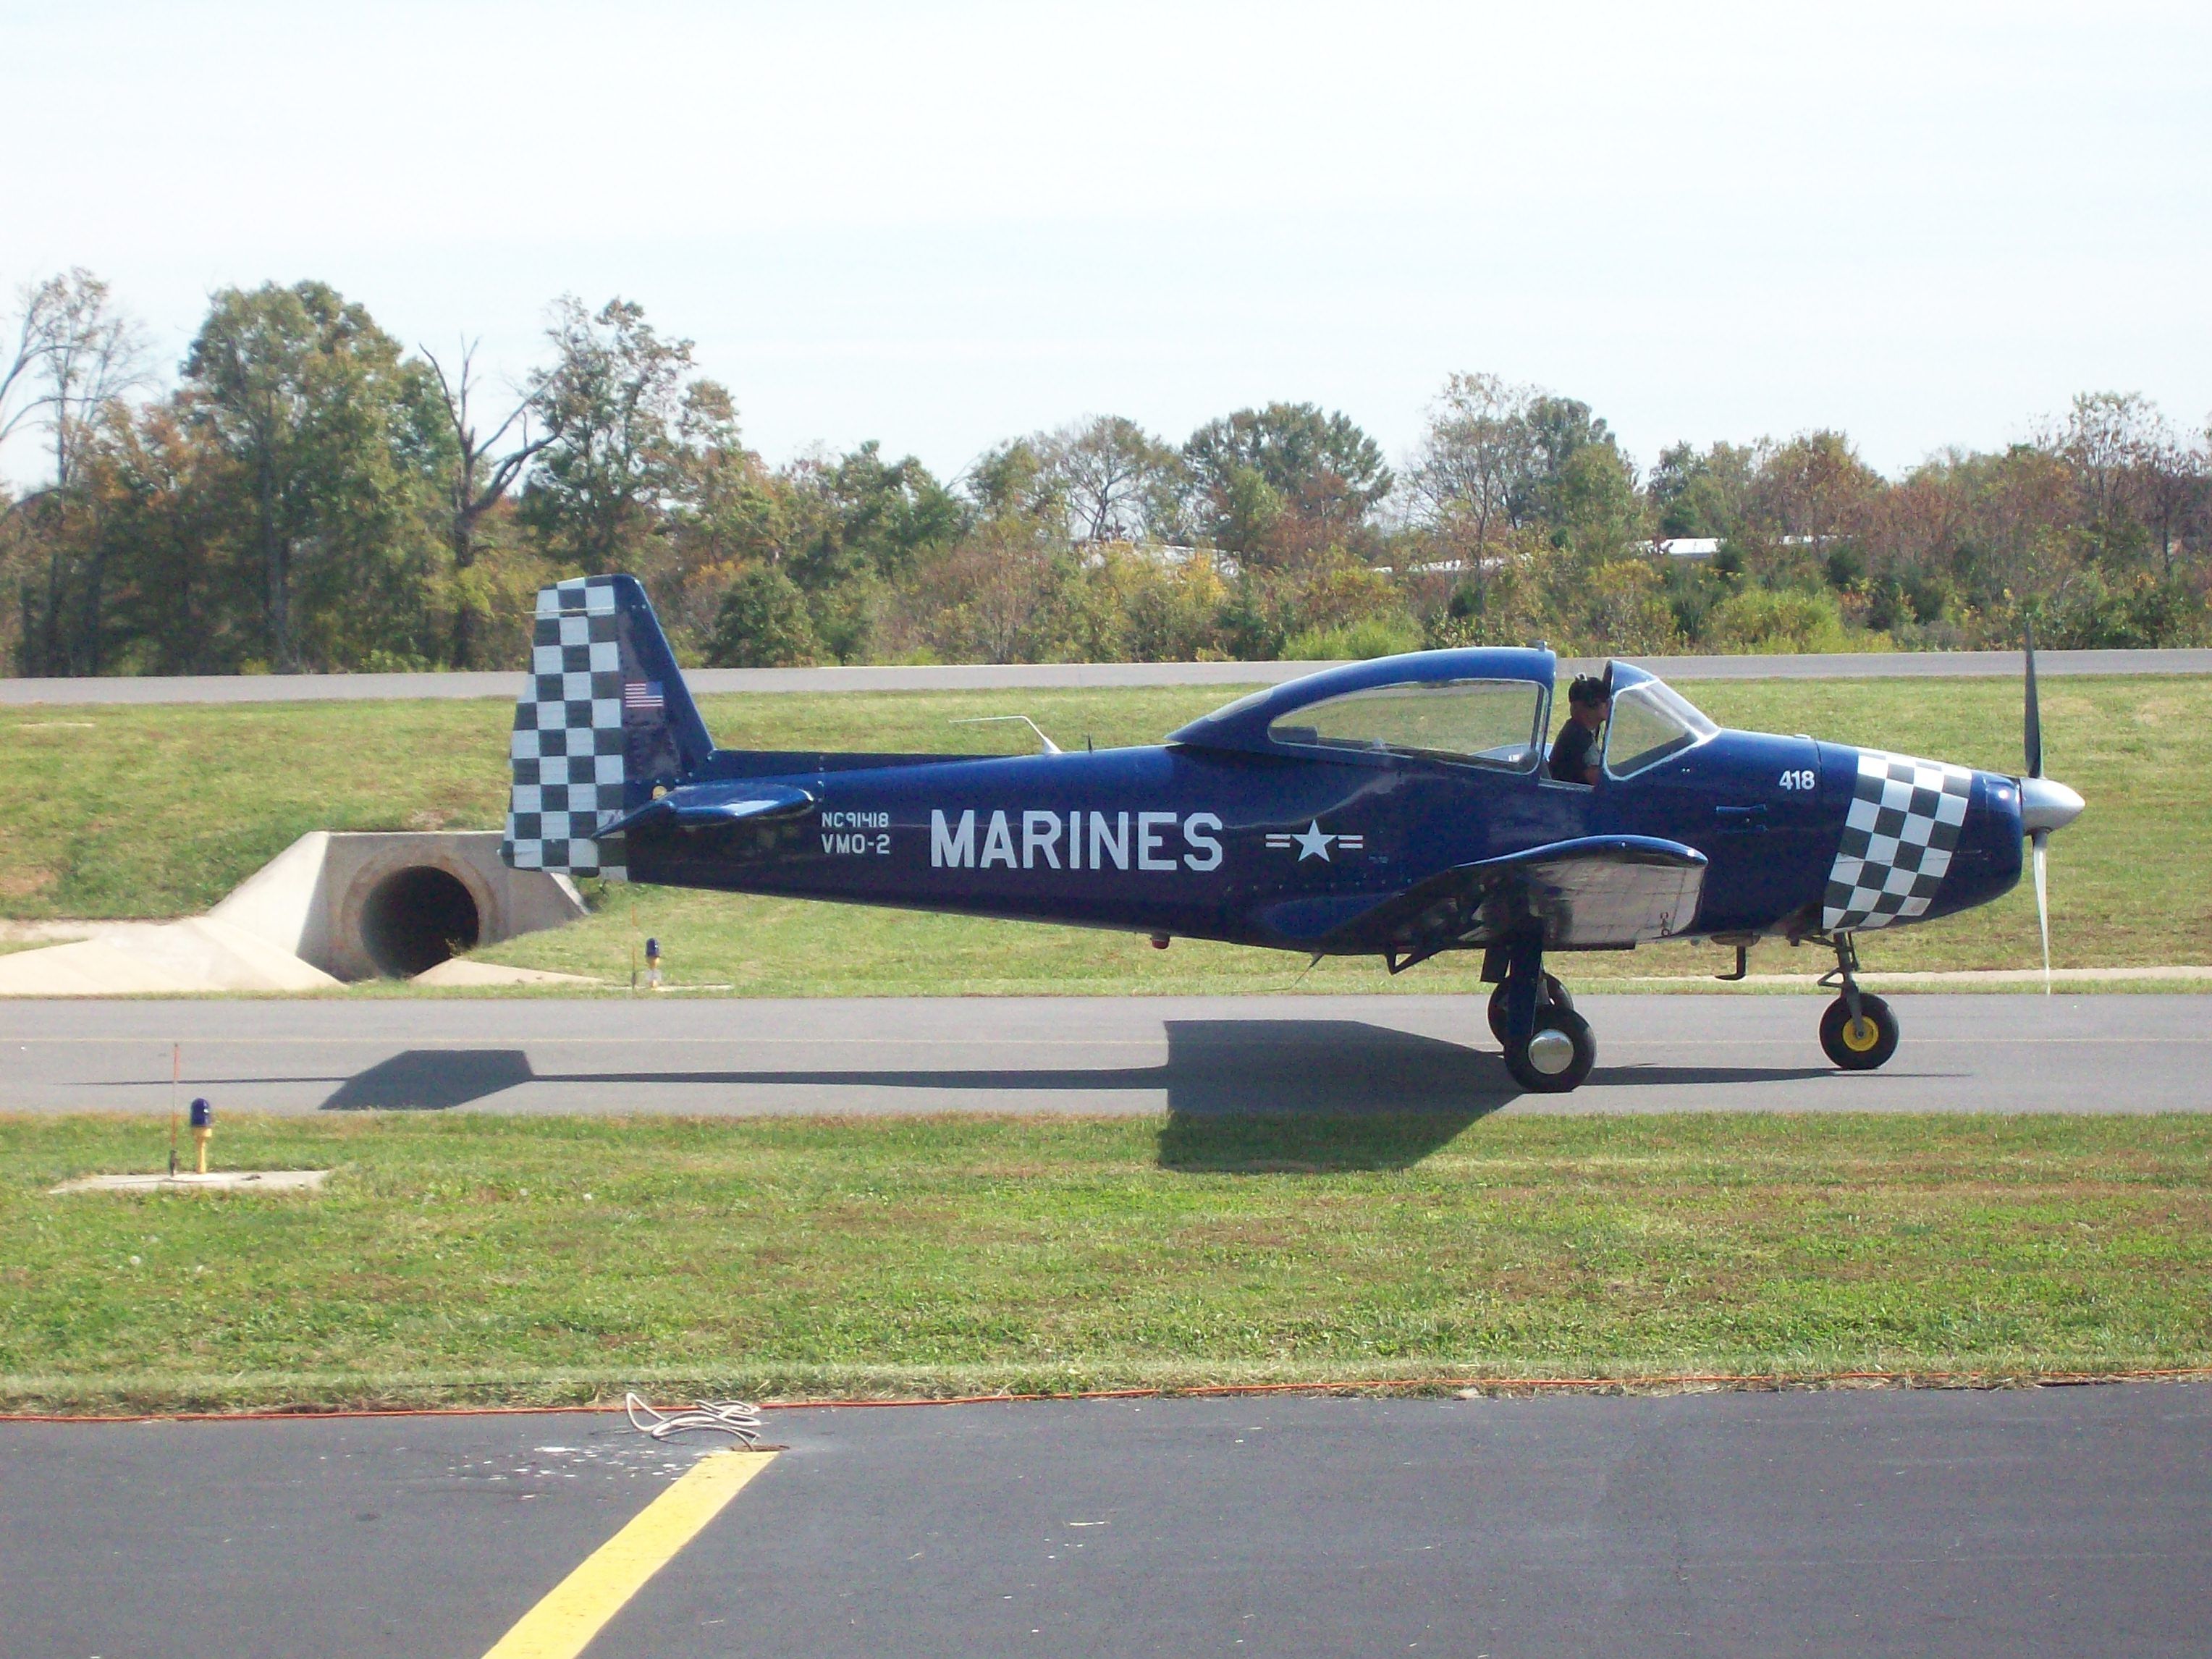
(1396, 808)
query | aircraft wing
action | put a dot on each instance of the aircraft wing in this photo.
(1594, 892)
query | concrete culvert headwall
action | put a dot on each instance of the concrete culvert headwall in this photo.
(328, 909)
(359, 906)
(415, 919)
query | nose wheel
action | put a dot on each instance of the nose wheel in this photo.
(1860, 1042)
(1857, 1032)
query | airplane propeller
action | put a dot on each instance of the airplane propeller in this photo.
(2045, 804)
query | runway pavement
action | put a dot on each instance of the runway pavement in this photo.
(991, 677)
(1196, 1056)
(2022, 1522)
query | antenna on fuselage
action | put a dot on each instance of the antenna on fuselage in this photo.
(1050, 747)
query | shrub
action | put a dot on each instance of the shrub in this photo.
(1772, 621)
(763, 622)
(1370, 636)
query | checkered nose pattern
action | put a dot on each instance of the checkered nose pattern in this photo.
(1899, 838)
(568, 746)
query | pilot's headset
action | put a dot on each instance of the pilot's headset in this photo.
(1588, 691)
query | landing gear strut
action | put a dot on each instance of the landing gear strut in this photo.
(1857, 1032)
(1551, 995)
(1548, 1046)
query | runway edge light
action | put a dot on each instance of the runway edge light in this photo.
(203, 1128)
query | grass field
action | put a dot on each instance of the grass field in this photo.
(151, 811)
(480, 1257)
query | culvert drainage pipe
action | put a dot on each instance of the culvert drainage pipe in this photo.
(415, 918)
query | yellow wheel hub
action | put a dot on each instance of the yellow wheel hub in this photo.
(1860, 1035)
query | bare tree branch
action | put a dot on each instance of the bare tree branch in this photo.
(29, 353)
(481, 482)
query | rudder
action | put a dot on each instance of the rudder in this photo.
(604, 720)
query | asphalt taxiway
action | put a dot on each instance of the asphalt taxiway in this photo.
(2111, 1052)
(2028, 1521)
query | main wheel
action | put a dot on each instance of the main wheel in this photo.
(1558, 1055)
(1553, 995)
(1859, 1045)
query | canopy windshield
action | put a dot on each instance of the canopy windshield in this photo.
(1476, 722)
(1650, 720)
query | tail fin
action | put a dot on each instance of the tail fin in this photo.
(604, 718)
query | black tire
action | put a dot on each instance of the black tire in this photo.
(1851, 1049)
(1554, 995)
(1583, 1055)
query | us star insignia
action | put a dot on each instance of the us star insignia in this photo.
(1314, 842)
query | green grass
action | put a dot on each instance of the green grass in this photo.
(479, 1257)
(155, 811)
(125, 811)
(120, 811)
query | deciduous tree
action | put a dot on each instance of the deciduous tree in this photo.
(76, 358)
(1259, 472)
(337, 446)
(1475, 456)
(762, 622)
(1117, 482)
(607, 409)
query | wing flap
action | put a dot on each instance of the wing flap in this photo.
(1593, 891)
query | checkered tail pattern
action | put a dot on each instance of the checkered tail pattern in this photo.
(567, 750)
(1898, 837)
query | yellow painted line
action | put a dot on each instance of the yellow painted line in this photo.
(577, 1608)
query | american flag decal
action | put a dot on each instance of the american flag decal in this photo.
(645, 697)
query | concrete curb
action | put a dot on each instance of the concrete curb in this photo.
(1010, 676)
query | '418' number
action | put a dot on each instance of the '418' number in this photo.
(1803, 779)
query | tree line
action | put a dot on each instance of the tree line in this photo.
(308, 493)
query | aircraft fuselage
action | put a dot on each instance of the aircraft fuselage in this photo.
(1255, 849)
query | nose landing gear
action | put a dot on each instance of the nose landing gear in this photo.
(1857, 1032)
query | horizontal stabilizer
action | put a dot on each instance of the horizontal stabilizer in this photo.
(711, 805)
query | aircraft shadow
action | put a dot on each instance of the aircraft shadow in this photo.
(1311, 1096)
(431, 1080)
(1649, 1077)
(1243, 1096)
(1331, 1066)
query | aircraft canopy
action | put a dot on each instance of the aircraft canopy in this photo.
(1483, 706)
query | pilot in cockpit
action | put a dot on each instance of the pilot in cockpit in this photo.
(1574, 752)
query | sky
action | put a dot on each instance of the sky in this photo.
(941, 225)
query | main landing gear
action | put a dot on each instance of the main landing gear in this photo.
(1857, 1032)
(1552, 995)
(1548, 1046)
